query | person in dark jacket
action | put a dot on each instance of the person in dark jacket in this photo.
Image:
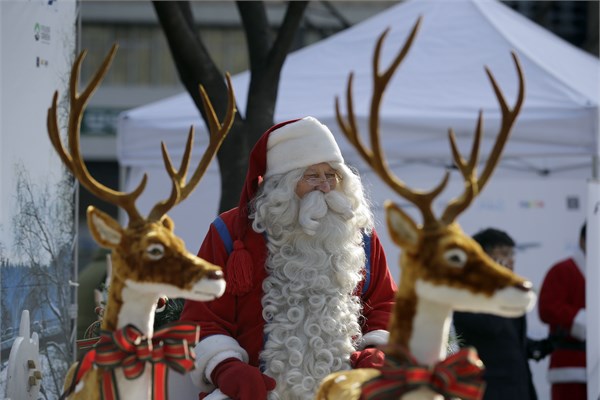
(501, 342)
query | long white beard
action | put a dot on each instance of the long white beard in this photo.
(314, 266)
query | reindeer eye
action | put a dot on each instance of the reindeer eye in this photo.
(456, 258)
(155, 251)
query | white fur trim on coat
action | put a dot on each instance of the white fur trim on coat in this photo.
(567, 375)
(374, 338)
(300, 144)
(216, 395)
(578, 327)
(210, 351)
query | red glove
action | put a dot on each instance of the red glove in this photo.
(367, 358)
(241, 381)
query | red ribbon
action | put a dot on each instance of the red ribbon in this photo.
(459, 375)
(171, 346)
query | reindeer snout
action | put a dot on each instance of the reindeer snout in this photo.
(524, 286)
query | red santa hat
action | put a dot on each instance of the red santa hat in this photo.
(284, 147)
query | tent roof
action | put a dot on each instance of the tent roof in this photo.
(441, 84)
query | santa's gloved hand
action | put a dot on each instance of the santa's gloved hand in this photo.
(241, 381)
(368, 358)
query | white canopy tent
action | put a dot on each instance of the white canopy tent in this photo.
(538, 194)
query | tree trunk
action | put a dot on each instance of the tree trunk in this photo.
(196, 67)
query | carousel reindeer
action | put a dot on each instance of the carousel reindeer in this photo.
(148, 261)
(442, 269)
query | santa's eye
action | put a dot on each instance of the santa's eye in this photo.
(456, 258)
(155, 251)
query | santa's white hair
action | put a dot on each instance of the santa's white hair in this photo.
(315, 262)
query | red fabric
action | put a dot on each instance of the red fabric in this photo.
(241, 316)
(257, 166)
(240, 267)
(130, 350)
(569, 391)
(459, 375)
(367, 358)
(241, 381)
(562, 296)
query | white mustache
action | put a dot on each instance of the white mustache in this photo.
(314, 206)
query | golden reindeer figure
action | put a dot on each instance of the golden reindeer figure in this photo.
(148, 261)
(442, 269)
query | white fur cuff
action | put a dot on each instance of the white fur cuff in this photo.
(216, 360)
(216, 395)
(578, 328)
(374, 338)
(217, 347)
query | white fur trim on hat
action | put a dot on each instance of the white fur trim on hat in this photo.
(300, 144)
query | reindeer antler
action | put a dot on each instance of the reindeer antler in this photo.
(218, 132)
(375, 157)
(74, 161)
(474, 185)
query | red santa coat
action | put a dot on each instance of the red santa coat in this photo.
(234, 325)
(562, 306)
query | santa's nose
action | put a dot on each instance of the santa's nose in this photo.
(324, 186)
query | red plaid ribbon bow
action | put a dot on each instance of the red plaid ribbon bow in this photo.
(171, 346)
(459, 375)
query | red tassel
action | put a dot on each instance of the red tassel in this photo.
(239, 270)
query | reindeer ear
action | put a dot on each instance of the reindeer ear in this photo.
(105, 230)
(168, 223)
(403, 230)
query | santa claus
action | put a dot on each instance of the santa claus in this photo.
(561, 305)
(308, 287)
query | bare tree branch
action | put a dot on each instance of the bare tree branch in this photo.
(267, 52)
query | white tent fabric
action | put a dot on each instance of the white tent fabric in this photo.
(441, 84)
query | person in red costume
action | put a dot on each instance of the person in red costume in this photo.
(562, 306)
(308, 291)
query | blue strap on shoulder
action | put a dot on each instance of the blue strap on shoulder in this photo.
(224, 233)
(228, 243)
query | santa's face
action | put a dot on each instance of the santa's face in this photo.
(317, 177)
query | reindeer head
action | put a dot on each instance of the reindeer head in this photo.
(147, 256)
(441, 264)
(449, 267)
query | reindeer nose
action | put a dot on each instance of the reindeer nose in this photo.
(524, 286)
(216, 275)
